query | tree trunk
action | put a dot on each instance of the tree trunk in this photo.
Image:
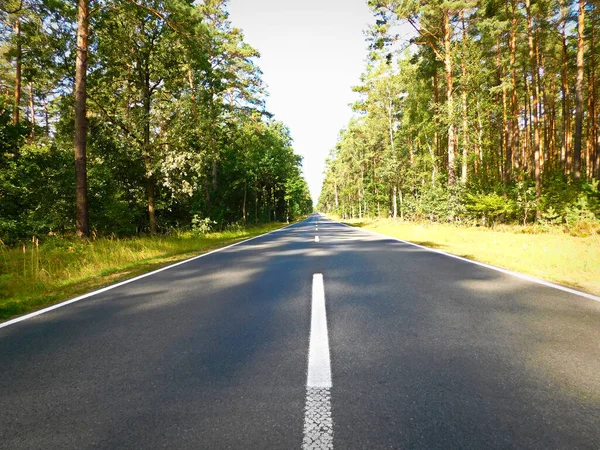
(193, 94)
(32, 111)
(151, 205)
(244, 204)
(465, 142)
(479, 144)
(579, 92)
(268, 199)
(448, 65)
(534, 119)
(589, 135)
(542, 105)
(46, 116)
(256, 201)
(504, 162)
(81, 201)
(411, 147)
(401, 208)
(19, 59)
(150, 191)
(514, 101)
(593, 130)
(566, 108)
(360, 214)
(337, 201)
(436, 101)
(214, 175)
(525, 154)
(395, 201)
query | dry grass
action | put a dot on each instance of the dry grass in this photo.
(40, 274)
(553, 255)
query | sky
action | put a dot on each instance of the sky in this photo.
(312, 53)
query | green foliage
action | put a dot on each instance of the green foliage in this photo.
(526, 201)
(202, 225)
(37, 195)
(43, 272)
(551, 217)
(175, 111)
(580, 218)
(440, 204)
(490, 207)
(447, 130)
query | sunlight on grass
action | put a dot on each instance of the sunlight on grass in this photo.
(553, 255)
(36, 274)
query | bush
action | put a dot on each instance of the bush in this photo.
(202, 226)
(490, 207)
(551, 217)
(584, 228)
(526, 201)
(235, 227)
(580, 219)
(442, 203)
(36, 192)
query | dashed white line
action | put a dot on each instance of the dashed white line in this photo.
(316, 238)
(318, 423)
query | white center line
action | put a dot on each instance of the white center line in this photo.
(318, 424)
(316, 238)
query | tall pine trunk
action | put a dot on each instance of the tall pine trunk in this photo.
(81, 201)
(465, 111)
(244, 203)
(534, 107)
(32, 111)
(436, 140)
(19, 63)
(395, 201)
(579, 92)
(513, 124)
(150, 191)
(448, 65)
(593, 130)
(565, 95)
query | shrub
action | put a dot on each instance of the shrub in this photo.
(441, 203)
(580, 219)
(551, 217)
(526, 201)
(202, 226)
(235, 227)
(489, 207)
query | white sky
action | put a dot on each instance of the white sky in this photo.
(312, 53)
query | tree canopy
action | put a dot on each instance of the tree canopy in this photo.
(487, 114)
(174, 125)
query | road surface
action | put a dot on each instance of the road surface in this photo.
(287, 341)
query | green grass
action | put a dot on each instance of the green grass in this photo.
(35, 276)
(553, 255)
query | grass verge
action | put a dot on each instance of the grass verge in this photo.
(38, 275)
(554, 255)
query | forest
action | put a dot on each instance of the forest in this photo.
(121, 117)
(485, 113)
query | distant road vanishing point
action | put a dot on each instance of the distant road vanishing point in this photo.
(317, 335)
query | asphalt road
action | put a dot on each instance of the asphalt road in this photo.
(426, 351)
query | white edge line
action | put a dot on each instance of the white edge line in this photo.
(131, 280)
(488, 266)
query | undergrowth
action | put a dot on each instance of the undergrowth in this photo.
(38, 273)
